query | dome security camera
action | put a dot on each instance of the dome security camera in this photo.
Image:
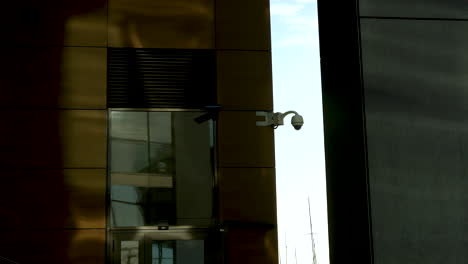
(297, 121)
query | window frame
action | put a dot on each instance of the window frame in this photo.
(115, 234)
(145, 236)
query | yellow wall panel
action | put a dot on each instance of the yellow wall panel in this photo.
(247, 195)
(252, 246)
(245, 80)
(84, 138)
(87, 28)
(243, 24)
(83, 78)
(184, 24)
(243, 144)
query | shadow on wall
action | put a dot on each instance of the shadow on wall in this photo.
(35, 198)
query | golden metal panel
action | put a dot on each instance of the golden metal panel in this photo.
(84, 138)
(88, 28)
(243, 144)
(243, 24)
(53, 198)
(247, 195)
(53, 139)
(87, 197)
(54, 246)
(245, 80)
(252, 246)
(185, 24)
(83, 78)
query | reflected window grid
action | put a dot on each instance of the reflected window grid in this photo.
(163, 252)
(129, 252)
(143, 171)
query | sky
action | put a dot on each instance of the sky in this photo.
(300, 161)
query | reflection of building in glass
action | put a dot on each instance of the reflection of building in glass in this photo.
(146, 194)
(112, 127)
(163, 252)
(161, 168)
(129, 252)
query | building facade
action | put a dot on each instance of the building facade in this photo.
(129, 132)
(394, 90)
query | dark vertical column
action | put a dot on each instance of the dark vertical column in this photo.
(415, 63)
(345, 140)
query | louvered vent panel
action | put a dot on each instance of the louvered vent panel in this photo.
(161, 78)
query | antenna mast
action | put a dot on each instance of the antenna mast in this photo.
(314, 255)
(295, 254)
(286, 243)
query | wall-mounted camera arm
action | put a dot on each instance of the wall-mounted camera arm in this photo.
(277, 119)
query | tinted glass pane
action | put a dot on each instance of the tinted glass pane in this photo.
(129, 252)
(163, 249)
(161, 147)
(129, 142)
(161, 168)
(141, 206)
(180, 252)
(162, 159)
(159, 206)
(192, 167)
(129, 156)
(126, 206)
(128, 194)
(163, 261)
(129, 125)
(127, 215)
(160, 124)
(190, 252)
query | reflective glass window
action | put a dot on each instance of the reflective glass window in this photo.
(162, 252)
(161, 169)
(178, 252)
(129, 142)
(129, 252)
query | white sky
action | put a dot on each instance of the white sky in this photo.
(300, 161)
